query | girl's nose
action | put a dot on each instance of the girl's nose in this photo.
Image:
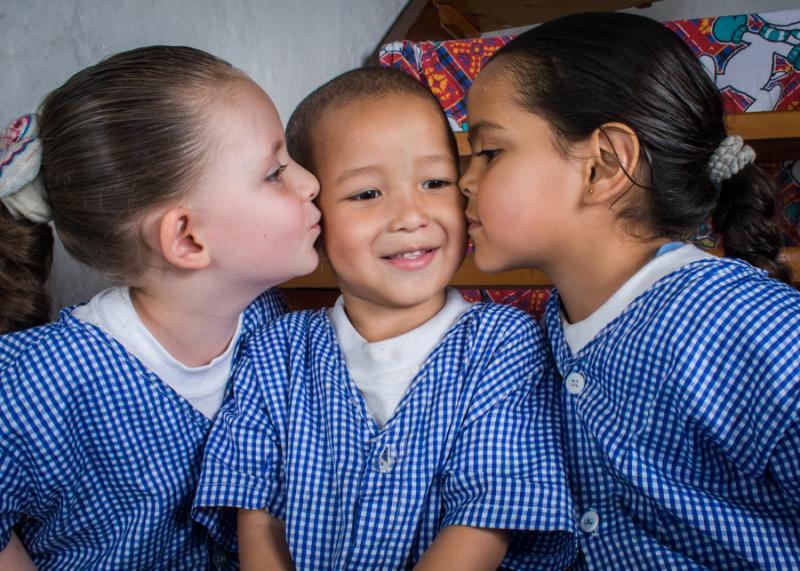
(467, 183)
(307, 184)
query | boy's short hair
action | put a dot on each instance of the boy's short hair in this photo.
(366, 83)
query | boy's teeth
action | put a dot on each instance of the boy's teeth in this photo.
(414, 254)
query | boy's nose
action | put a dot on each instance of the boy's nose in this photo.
(409, 213)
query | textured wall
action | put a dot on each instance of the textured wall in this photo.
(289, 47)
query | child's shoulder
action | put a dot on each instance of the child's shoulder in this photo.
(487, 318)
(290, 328)
(66, 337)
(726, 286)
(64, 355)
(267, 307)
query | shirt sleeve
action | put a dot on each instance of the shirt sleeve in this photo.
(784, 464)
(16, 495)
(13, 493)
(241, 467)
(507, 467)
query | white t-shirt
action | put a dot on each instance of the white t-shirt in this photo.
(578, 334)
(204, 387)
(383, 370)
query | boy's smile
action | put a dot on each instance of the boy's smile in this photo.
(393, 222)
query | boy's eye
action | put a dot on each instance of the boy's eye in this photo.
(275, 176)
(368, 194)
(436, 183)
(487, 154)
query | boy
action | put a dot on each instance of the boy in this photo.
(403, 426)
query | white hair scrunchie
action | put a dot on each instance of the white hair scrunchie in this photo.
(731, 156)
(21, 186)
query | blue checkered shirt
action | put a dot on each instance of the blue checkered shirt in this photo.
(474, 442)
(99, 458)
(682, 425)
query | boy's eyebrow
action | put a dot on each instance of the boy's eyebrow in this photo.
(440, 158)
(353, 172)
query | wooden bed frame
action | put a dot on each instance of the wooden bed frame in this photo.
(774, 135)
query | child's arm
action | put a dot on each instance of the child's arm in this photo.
(465, 548)
(14, 557)
(262, 542)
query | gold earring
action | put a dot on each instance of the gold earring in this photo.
(590, 190)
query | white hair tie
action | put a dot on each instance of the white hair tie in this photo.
(731, 156)
(21, 186)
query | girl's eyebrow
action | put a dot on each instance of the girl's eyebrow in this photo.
(481, 125)
(276, 146)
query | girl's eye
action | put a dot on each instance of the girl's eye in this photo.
(436, 183)
(369, 194)
(487, 154)
(275, 176)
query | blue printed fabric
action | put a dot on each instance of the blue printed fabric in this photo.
(99, 458)
(474, 442)
(682, 424)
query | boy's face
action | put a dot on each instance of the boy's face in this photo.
(392, 214)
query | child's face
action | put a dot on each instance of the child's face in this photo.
(256, 204)
(517, 183)
(393, 219)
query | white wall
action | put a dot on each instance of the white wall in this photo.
(289, 47)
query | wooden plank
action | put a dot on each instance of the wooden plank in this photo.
(765, 125)
(488, 16)
(470, 276)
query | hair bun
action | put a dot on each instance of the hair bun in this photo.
(21, 187)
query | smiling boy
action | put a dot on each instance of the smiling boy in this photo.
(404, 426)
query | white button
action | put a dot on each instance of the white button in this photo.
(589, 521)
(575, 383)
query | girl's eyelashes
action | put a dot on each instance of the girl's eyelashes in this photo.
(487, 154)
(368, 194)
(436, 183)
(275, 176)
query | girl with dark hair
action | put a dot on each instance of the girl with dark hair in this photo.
(166, 169)
(598, 145)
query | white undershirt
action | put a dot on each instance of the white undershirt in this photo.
(577, 335)
(204, 387)
(383, 370)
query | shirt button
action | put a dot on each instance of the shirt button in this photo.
(219, 559)
(589, 521)
(575, 383)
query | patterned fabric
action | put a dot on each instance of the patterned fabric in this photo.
(682, 424)
(98, 457)
(473, 442)
(754, 60)
(531, 300)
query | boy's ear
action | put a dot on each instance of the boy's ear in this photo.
(614, 164)
(179, 241)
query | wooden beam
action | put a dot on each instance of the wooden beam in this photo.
(469, 275)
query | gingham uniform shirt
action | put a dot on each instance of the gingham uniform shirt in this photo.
(473, 442)
(98, 457)
(682, 425)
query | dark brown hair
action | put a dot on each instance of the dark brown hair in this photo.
(118, 138)
(582, 71)
(122, 137)
(26, 251)
(366, 83)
